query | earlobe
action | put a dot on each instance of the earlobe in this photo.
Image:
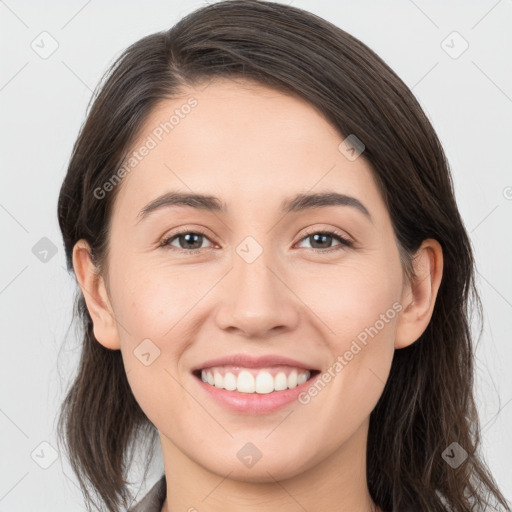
(420, 293)
(96, 298)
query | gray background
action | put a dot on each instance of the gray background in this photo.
(468, 98)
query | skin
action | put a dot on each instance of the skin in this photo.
(253, 147)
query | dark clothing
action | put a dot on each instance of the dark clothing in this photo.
(154, 499)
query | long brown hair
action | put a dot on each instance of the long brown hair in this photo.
(427, 403)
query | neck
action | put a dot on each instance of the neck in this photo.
(337, 483)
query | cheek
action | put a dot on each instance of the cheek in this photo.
(360, 313)
(153, 308)
(366, 338)
(150, 309)
(350, 297)
(151, 301)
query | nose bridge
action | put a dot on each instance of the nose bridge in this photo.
(257, 300)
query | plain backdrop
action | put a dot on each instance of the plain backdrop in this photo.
(456, 56)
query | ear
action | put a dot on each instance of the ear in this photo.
(419, 293)
(96, 298)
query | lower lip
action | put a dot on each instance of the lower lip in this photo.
(254, 403)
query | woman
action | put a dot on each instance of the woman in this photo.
(276, 374)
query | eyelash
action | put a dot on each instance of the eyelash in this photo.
(344, 242)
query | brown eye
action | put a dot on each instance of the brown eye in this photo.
(188, 241)
(323, 240)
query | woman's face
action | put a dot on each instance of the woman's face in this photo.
(247, 291)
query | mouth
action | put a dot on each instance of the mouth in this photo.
(253, 385)
(254, 380)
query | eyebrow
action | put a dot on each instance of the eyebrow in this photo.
(300, 202)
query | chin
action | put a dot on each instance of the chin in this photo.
(265, 470)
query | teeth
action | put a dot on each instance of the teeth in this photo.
(280, 381)
(245, 382)
(292, 379)
(301, 379)
(229, 381)
(262, 382)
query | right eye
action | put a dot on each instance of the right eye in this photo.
(185, 238)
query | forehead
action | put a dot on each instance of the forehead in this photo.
(243, 142)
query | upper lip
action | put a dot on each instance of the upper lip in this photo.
(248, 361)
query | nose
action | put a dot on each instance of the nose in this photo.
(257, 302)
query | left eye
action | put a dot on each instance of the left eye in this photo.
(191, 241)
(322, 237)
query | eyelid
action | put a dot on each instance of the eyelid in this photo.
(345, 241)
(166, 239)
(327, 229)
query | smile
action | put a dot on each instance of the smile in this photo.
(253, 384)
(252, 380)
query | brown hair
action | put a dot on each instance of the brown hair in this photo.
(427, 402)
